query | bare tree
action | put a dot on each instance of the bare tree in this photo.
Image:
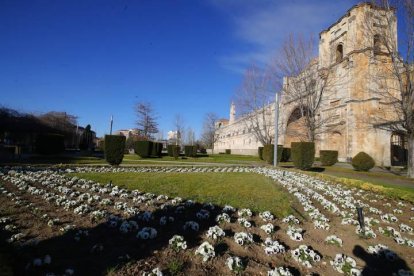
(146, 119)
(190, 136)
(179, 126)
(209, 136)
(306, 84)
(393, 78)
(253, 100)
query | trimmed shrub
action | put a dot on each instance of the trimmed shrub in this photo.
(190, 151)
(143, 148)
(159, 147)
(228, 151)
(50, 143)
(269, 151)
(260, 152)
(156, 149)
(175, 151)
(170, 150)
(114, 149)
(363, 162)
(328, 157)
(285, 155)
(303, 154)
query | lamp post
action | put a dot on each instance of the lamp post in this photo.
(276, 128)
(112, 121)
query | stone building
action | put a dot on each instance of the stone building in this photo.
(352, 57)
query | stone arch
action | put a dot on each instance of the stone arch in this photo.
(295, 127)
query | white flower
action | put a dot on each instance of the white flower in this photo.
(155, 272)
(245, 213)
(295, 233)
(244, 222)
(345, 264)
(177, 243)
(268, 228)
(215, 233)
(273, 247)
(291, 220)
(279, 271)
(223, 218)
(243, 238)
(235, 264)
(206, 250)
(333, 239)
(305, 256)
(266, 216)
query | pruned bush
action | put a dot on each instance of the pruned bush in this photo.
(50, 143)
(363, 162)
(303, 154)
(328, 157)
(170, 149)
(269, 153)
(260, 152)
(175, 151)
(285, 155)
(190, 151)
(227, 151)
(143, 148)
(159, 147)
(114, 149)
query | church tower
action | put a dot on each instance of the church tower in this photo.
(232, 113)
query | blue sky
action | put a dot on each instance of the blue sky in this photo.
(98, 58)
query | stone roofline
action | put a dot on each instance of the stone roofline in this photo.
(347, 14)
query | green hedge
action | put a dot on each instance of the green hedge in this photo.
(260, 152)
(114, 149)
(227, 151)
(269, 153)
(50, 143)
(190, 151)
(175, 151)
(328, 157)
(159, 147)
(303, 154)
(363, 162)
(143, 148)
(170, 150)
(286, 153)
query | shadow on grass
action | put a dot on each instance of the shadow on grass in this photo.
(378, 265)
(118, 249)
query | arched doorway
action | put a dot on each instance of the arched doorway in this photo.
(399, 153)
(296, 130)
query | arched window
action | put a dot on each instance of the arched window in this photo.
(339, 52)
(377, 44)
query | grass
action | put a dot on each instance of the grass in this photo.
(133, 159)
(386, 185)
(241, 190)
(212, 158)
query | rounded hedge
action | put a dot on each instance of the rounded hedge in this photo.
(260, 152)
(269, 153)
(328, 157)
(143, 148)
(303, 154)
(285, 155)
(114, 149)
(363, 162)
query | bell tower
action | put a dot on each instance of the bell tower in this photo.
(232, 113)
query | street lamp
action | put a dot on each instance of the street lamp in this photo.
(276, 128)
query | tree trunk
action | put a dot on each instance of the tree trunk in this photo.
(410, 157)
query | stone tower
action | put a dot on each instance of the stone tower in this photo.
(232, 113)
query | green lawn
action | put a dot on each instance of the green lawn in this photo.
(388, 184)
(212, 158)
(241, 190)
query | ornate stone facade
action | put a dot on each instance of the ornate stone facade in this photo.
(348, 51)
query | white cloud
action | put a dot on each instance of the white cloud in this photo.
(262, 26)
